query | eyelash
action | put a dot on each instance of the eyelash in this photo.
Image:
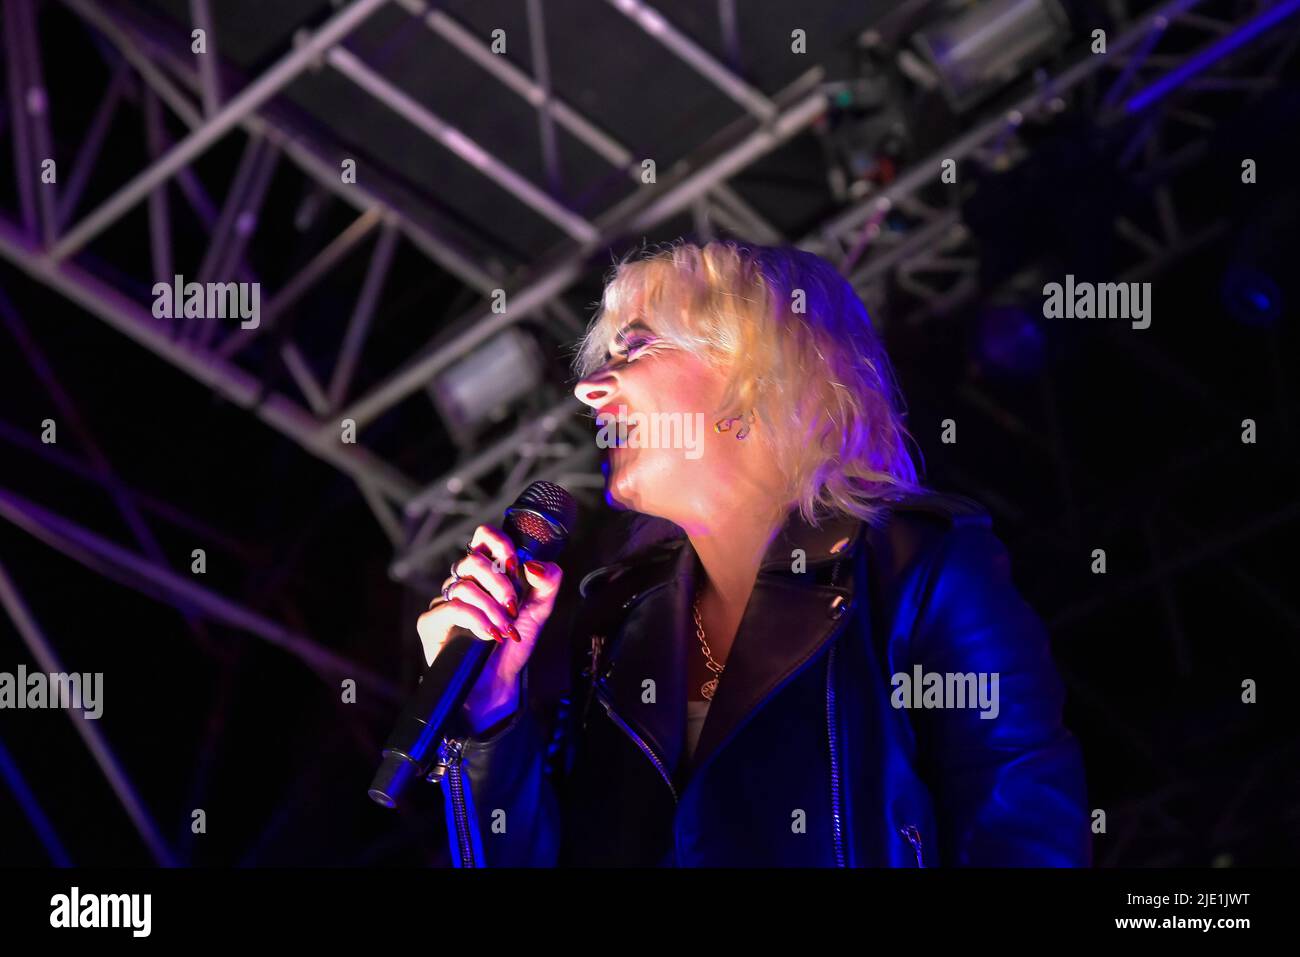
(630, 347)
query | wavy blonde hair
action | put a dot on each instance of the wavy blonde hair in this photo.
(803, 356)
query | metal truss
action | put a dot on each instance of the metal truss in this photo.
(555, 445)
(50, 243)
(927, 251)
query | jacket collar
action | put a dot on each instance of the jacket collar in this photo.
(791, 613)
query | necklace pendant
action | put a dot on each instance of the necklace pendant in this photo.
(708, 688)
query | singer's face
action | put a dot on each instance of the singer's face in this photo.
(656, 404)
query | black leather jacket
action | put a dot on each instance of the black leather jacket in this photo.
(804, 759)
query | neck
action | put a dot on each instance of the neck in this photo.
(730, 548)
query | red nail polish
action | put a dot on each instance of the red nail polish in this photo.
(496, 634)
(512, 608)
(514, 633)
(535, 567)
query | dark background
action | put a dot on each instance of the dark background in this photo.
(1074, 434)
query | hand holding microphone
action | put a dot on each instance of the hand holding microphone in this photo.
(482, 596)
(479, 636)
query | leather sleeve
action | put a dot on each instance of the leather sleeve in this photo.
(1009, 789)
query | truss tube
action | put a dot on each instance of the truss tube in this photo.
(480, 326)
(41, 824)
(490, 458)
(478, 329)
(1210, 55)
(404, 565)
(453, 139)
(155, 580)
(359, 323)
(691, 53)
(208, 73)
(473, 48)
(545, 120)
(92, 144)
(37, 112)
(761, 141)
(24, 167)
(88, 729)
(305, 154)
(302, 281)
(248, 100)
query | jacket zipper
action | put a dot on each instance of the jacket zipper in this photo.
(636, 738)
(914, 838)
(453, 757)
(835, 771)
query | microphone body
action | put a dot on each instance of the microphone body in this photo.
(538, 525)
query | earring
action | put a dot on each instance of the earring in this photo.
(724, 425)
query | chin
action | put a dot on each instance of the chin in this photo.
(616, 492)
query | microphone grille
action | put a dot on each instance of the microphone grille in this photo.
(541, 519)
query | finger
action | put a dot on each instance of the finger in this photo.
(482, 570)
(497, 545)
(434, 626)
(472, 593)
(544, 579)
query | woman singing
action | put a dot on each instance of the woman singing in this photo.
(800, 657)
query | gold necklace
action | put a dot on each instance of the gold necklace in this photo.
(709, 687)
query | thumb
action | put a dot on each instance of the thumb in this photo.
(544, 580)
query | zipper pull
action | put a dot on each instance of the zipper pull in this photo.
(914, 838)
(449, 751)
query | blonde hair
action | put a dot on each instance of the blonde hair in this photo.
(803, 355)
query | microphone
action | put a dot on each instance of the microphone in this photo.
(538, 525)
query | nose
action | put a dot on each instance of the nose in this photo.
(597, 389)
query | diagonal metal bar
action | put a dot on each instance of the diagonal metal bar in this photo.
(160, 230)
(149, 578)
(409, 562)
(24, 149)
(355, 337)
(88, 729)
(1266, 19)
(545, 100)
(235, 384)
(243, 226)
(483, 324)
(38, 106)
(248, 100)
(99, 462)
(214, 255)
(35, 814)
(300, 371)
(320, 265)
(167, 512)
(469, 44)
(453, 139)
(92, 144)
(139, 40)
(210, 77)
(654, 24)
